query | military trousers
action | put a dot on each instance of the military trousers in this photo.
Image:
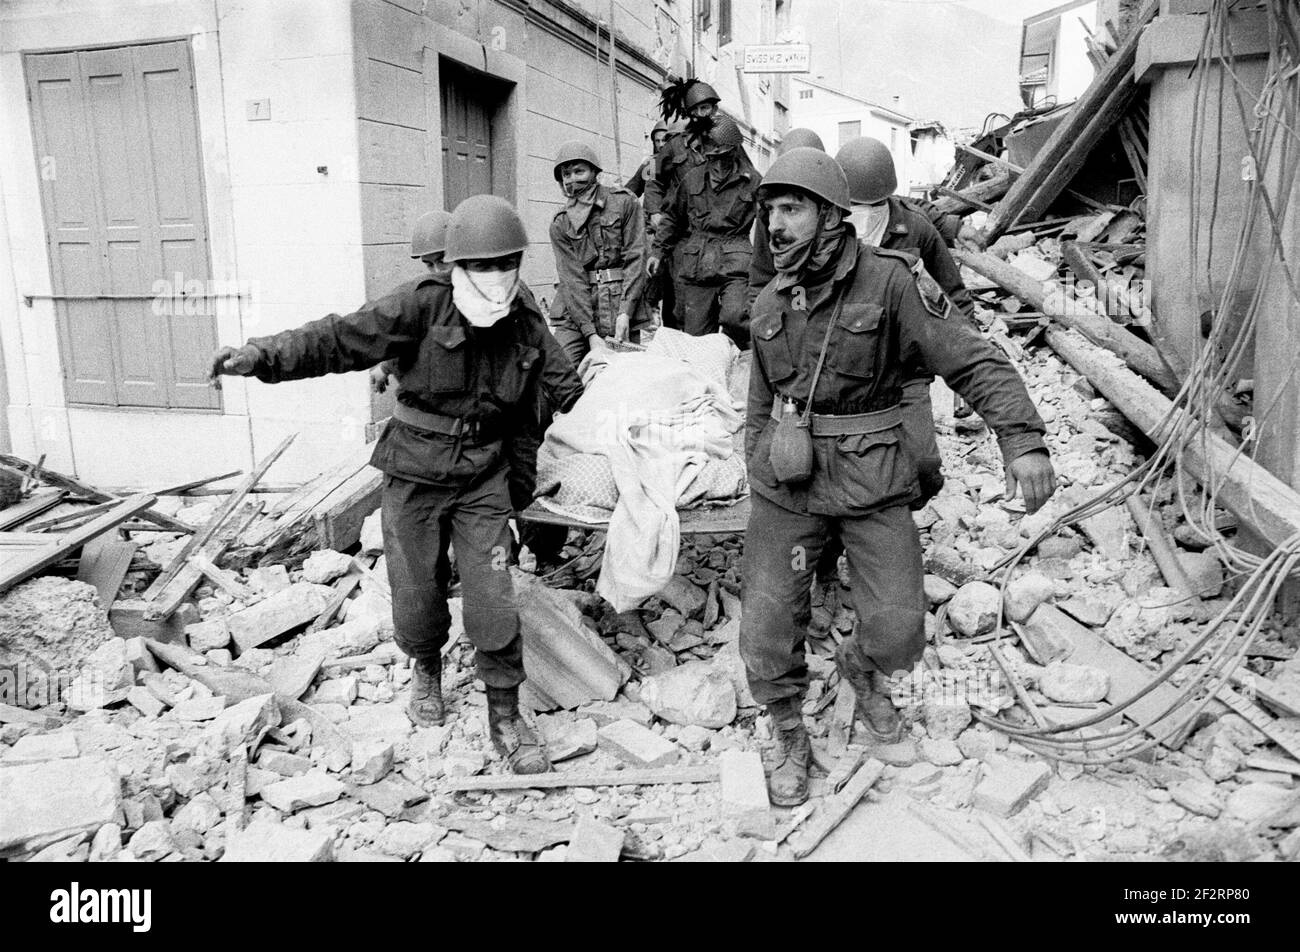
(704, 308)
(419, 522)
(782, 549)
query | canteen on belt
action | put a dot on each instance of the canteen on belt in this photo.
(791, 453)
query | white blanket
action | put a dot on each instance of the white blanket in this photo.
(664, 428)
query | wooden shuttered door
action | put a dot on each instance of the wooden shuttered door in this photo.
(118, 153)
(466, 136)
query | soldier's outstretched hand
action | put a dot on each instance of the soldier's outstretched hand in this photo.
(1033, 473)
(233, 361)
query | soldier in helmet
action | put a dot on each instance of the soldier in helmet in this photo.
(690, 107)
(599, 244)
(832, 335)
(761, 269)
(472, 354)
(659, 287)
(706, 228)
(428, 242)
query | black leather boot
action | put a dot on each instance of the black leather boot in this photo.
(875, 709)
(426, 708)
(513, 739)
(787, 784)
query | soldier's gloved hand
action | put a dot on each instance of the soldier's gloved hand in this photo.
(972, 238)
(622, 327)
(378, 379)
(656, 220)
(1033, 473)
(652, 266)
(233, 361)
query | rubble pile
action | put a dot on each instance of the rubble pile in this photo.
(267, 719)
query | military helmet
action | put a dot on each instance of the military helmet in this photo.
(700, 91)
(659, 126)
(724, 136)
(429, 236)
(869, 167)
(575, 151)
(800, 138)
(484, 226)
(808, 170)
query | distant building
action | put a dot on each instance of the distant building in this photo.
(838, 117)
(1054, 63)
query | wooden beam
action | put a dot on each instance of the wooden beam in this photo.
(51, 478)
(605, 778)
(1254, 495)
(1083, 316)
(835, 808)
(1160, 547)
(1069, 145)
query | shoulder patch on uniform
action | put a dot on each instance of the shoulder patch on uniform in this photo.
(932, 296)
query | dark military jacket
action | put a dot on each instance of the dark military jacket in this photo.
(679, 152)
(708, 225)
(612, 237)
(488, 377)
(882, 324)
(946, 224)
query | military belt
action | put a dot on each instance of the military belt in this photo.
(848, 424)
(605, 275)
(434, 422)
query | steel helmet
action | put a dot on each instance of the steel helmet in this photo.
(699, 91)
(429, 237)
(659, 126)
(808, 170)
(575, 151)
(484, 226)
(800, 138)
(724, 136)
(870, 170)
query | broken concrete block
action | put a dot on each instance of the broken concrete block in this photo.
(973, 610)
(371, 761)
(282, 762)
(594, 842)
(1009, 785)
(1260, 802)
(693, 693)
(199, 709)
(637, 745)
(1074, 683)
(1108, 530)
(336, 691)
(293, 675)
(144, 701)
(310, 790)
(241, 723)
(938, 590)
(35, 748)
(267, 841)
(106, 844)
(1049, 634)
(946, 719)
(684, 596)
(208, 635)
(282, 612)
(324, 566)
(920, 774)
(567, 738)
(153, 841)
(200, 814)
(607, 712)
(1094, 612)
(403, 839)
(372, 533)
(387, 723)
(744, 803)
(941, 753)
(139, 656)
(268, 580)
(1204, 572)
(1025, 593)
(728, 661)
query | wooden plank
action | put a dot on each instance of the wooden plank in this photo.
(1286, 739)
(205, 534)
(714, 520)
(1160, 547)
(183, 488)
(1285, 700)
(1066, 150)
(34, 561)
(1017, 170)
(104, 564)
(1083, 316)
(1004, 839)
(63, 519)
(222, 578)
(52, 478)
(1275, 764)
(178, 589)
(835, 808)
(604, 778)
(19, 513)
(1254, 495)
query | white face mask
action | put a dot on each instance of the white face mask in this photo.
(870, 221)
(485, 296)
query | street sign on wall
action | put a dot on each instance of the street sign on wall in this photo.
(778, 58)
